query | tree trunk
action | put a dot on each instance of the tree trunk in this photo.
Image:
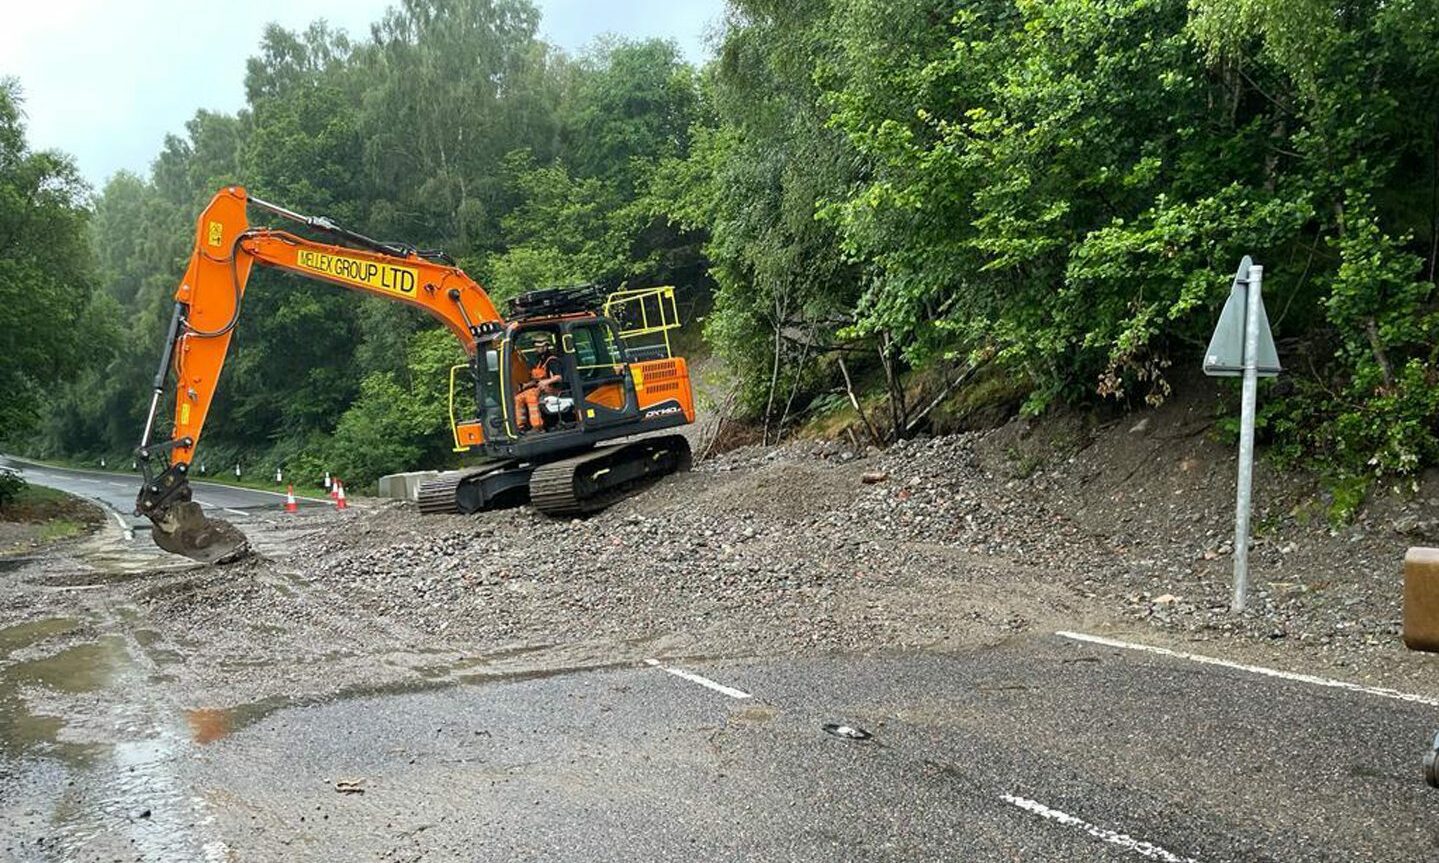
(892, 385)
(794, 388)
(1380, 355)
(849, 388)
(774, 368)
(944, 394)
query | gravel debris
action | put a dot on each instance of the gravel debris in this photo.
(944, 540)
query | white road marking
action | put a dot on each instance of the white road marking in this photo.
(1113, 837)
(701, 680)
(216, 852)
(214, 485)
(125, 527)
(1380, 691)
(235, 511)
(116, 484)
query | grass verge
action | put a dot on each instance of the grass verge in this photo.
(39, 516)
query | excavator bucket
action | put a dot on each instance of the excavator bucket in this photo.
(186, 530)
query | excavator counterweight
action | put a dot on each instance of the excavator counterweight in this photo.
(591, 392)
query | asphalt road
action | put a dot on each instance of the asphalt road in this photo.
(116, 492)
(1041, 749)
(1049, 747)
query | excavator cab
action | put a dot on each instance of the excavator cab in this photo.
(597, 386)
(610, 386)
(618, 382)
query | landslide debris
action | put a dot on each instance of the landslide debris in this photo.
(936, 541)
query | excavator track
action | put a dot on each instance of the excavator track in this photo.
(473, 489)
(590, 482)
(439, 496)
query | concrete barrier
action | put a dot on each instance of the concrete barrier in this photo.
(1421, 599)
(405, 486)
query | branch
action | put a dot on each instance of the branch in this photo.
(849, 388)
(963, 376)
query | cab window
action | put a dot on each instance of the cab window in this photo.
(596, 351)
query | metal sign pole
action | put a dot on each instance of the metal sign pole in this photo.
(1244, 496)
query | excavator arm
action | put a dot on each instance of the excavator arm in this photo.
(208, 305)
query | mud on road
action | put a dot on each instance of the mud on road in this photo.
(114, 673)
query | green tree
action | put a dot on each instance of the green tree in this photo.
(46, 325)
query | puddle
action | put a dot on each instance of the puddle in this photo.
(76, 670)
(208, 724)
(93, 578)
(13, 638)
(82, 668)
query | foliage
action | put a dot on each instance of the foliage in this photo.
(878, 194)
(1064, 186)
(11, 485)
(47, 322)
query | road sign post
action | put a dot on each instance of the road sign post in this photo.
(1243, 346)
(1243, 500)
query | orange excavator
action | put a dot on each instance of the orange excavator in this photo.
(609, 383)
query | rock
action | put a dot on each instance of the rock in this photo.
(1140, 427)
(1412, 525)
(870, 477)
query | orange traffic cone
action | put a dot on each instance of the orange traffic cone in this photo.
(340, 495)
(290, 504)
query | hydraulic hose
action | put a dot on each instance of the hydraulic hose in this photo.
(239, 294)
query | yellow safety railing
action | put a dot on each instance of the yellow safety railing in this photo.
(655, 309)
(502, 351)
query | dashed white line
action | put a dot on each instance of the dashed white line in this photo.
(116, 484)
(1380, 691)
(1113, 837)
(700, 679)
(236, 511)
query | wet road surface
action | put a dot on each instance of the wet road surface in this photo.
(1042, 748)
(116, 492)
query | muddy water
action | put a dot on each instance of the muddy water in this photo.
(77, 669)
(84, 709)
(89, 745)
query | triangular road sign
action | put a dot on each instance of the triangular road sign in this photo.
(1225, 356)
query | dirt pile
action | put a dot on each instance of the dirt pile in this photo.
(966, 537)
(755, 550)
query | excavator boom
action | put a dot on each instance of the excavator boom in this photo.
(208, 304)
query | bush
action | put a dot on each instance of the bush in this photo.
(11, 485)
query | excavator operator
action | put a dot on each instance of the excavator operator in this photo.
(545, 376)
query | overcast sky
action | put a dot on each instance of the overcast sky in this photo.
(105, 80)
